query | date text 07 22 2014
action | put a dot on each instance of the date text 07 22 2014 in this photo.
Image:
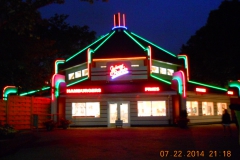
(195, 153)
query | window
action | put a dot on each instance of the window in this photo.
(70, 76)
(221, 107)
(86, 109)
(155, 69)
(192, 108)
(151, 108)
(207, 108)
(77, 74)
(170, 72)
(85, 72)
(163, 70)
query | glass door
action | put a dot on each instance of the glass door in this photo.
(118, 110)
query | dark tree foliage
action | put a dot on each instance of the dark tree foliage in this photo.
(29, 44)
(215, 48)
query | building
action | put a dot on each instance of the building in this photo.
(122, 76)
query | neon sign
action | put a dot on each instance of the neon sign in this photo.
(203, 90)
(230, 92)
(85, 90)
(152, 89)
(118, 70)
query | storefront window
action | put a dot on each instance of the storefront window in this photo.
(86, 109)
(192, 108)
(85, 72)
(207, 108)
(221, 107)
(77, 74)
(151, 108)
(170, 72)
(163, 70)
(70, 76)
(155, 69)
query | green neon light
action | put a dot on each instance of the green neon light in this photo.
(206, 85)
(86, 48)
(160, 79)
(57, 87)
(8, 91)
(103, 42)
(185, 60)
(58, 62)
(235, 84)
(77, 81)
(154, 45)
(144, 48)
(179, 84)
(26, 93)
(90, 55)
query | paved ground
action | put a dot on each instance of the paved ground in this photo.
(199, 141)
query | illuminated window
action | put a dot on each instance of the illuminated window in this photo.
(221, 107)
(70, 76)
(151, 108)
(170, 72)
(192, 108)
(207, 108)
(85, 72)
(155, 69)
(86, 109)
(77, 74)
(163, 70)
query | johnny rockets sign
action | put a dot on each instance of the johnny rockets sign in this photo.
(117, 70)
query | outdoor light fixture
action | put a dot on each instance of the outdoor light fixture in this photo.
(230, 93)
(201, 90)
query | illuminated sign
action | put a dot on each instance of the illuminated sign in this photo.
(203, 90)
(230, 92)
(118, 70)
(152, 89)
(85, 90)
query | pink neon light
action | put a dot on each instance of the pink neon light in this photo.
(203, 90)
(124, 24)
(187, 66)
(53, 83)
(119, 19)
(118, 70)
(114, 20)
(150, 61)
(230, 92)
(86, 90)
(184, 85)
(151, 89)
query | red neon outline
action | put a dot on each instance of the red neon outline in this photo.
(53, 86)
(187, 65)
(150, 58)
(184, 85)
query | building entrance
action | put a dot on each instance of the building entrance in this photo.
(118, 110)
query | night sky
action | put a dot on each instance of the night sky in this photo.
(167, 23)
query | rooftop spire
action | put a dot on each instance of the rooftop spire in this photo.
(119, 21)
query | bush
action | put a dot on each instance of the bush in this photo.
(7, 131)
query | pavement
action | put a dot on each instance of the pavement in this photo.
(194, 142)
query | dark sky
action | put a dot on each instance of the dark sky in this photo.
(168, 23)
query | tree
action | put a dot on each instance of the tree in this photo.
(29, 44)
(214, 49)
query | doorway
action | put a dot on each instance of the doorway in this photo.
(118, 110)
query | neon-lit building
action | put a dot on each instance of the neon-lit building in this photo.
(124, 76)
